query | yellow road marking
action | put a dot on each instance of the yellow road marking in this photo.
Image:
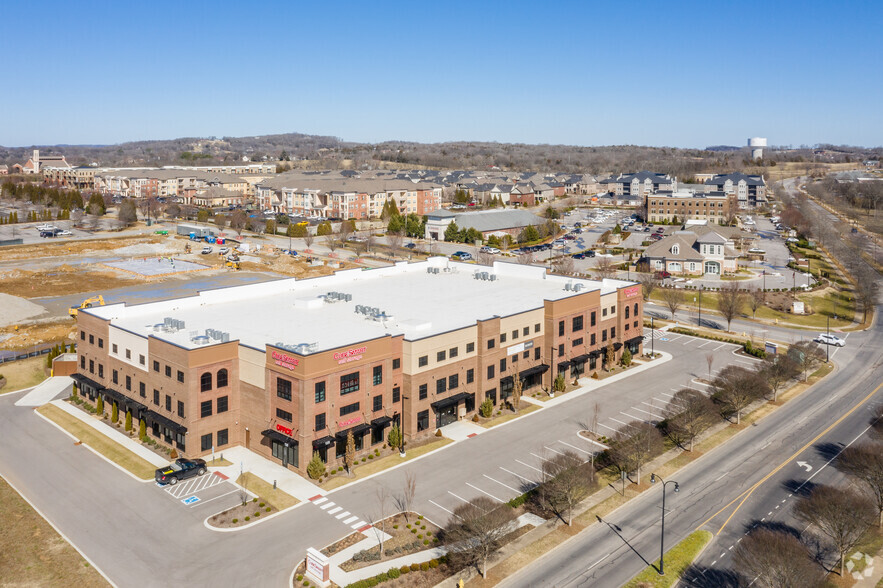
(748, 492)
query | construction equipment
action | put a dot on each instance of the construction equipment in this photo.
(87, 303)
(233, 265)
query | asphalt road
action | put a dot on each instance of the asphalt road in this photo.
(738, 484)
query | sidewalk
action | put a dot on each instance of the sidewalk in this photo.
(462, 430)
(114, 434)
(46, 391)
(244, 460)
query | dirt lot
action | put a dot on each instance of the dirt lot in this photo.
(63, 248)
(29, 335)
(64, 279)
(32, 553)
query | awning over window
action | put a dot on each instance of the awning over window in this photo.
(455, 399)
(323, 442)
(382, 422)
(155, 417)
(113, 394)
(537, 369)
(278, 436)
(580, 358)
(81, 379)
(357, 430)
(563, 365)
(134, 404)
(637, 339)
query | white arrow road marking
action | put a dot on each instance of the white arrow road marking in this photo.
(803, 464)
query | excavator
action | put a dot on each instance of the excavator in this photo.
(87, 303)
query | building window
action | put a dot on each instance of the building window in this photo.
(440, 356)
(83, 364)
(626, 312)
(168, 403)
(155, 366)
(378, 375)
(180, 409)
(128, 351)
(422, 361)
(222, 378)
(180, 376)
(222, 404)
(593, 320)
(577, 323)
(396, 395)
(526, 354)
(577, 341)
(525, 331)
(283, 389)
(283, 415)
(491, 343)
(319, 393)
(222, 437)
(91, 339)
(320, 421)
(205, 442)
(603, 312)
(502, 365)
(83, 338)
(592, 339)
(168, 371)
(423, 420)
(453, 352)
(470, 376)
(205, 409)
(470, 347)
(422, 391)
(205, 382)
(156, 397)
(128, 378)
(396, 363)
(561, 350)
(378, 403)
(142, 389)
(349, 409)
(490, 372)
(515, 334)
(636, 310)
(536, 328)
(603, 335)
(141, 359)
(91, 366)
(560, 328)
(502, 338)
(453, 381)
(613, 332)
(100, 343)
(349, 383)
(441, 385)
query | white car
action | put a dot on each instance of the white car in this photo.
(65, 234)
(46, 227)
(826, 339)
(756, 250)
(224, 250)
(491, 250)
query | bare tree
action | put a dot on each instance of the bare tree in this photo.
(345, 230)
(777, 370)
(756, 299)
(709, 359)
(525, 258)
(649, 282)
(865, 463)
(476, 531)
(369, 240)
(567, 483)
(736, 388)
(378, 522)
(807, 355)
(775, 559)
(841, 515)
(633, 445)
(605, 267)
(409, 491)
(673, 299)
(729, 302)
(564, 265)
(238, 220)
(394, 239)
(692, 412)
(485, 258)
(308, 239)
(517, 387)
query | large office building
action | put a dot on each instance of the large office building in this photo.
(289, 367)
(683, 205)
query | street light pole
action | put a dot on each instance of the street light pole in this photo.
(701, 287)
(827, 332)
(662, 533)
(652, 338)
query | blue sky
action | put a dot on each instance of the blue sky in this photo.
(685, 74)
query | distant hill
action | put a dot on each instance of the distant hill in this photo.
(324, 152)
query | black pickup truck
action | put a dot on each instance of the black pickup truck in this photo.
(180, 469)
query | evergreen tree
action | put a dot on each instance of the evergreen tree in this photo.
(99, 406)
(350, 456)
(142, 430)
(316, 467)
(128, 420)
(452, 233)
(115, 413)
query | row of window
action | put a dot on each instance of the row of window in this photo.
(205, 407)
(168, 371)
(451, 353)
(222, 438)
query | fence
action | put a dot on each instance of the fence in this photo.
(6, 355)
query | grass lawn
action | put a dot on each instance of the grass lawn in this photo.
(32, 553)
(217, 462)
(677, 560)
(378, 465)
(499, 420)
(276, 498)
(23, 373)
(100, 443)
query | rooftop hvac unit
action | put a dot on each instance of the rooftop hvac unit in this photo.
(225, 337)
(492, 277)
(578, 287)
(567, 287)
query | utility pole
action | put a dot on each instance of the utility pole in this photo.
(662, 533)
(652, 338)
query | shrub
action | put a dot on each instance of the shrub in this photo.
(426, 542)
(254, 499)
(306, 582)
(173, 454)
(423, 527)
(247, 518)
(363, 460)
(316, 467)
(433, 563)
(370, 456)
(595, 376)
(394, 573)
(419, 517)
(408, 526)
(429, 533)
(267, 509)
(435, 540)
(438, 433)
(404, 569)
(300, 577)
(414, 531)
(395, 526)
(415, 567)
(235, 521)
(475, 418)
(486, 408)
(626, 358)
(261, 505)
(257, 514)
(420, 536)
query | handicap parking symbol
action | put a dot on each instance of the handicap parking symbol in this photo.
(190, 500)
(663, 338)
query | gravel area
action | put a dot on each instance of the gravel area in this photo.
(15, 309)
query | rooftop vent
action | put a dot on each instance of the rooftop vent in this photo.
(338, 297)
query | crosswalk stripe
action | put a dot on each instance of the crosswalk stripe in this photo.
(345, 513)
(335, 510)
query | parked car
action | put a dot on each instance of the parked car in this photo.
(488, 249)
(180, 469)
(43, 228)
(206, 250)
(65, 233)
(224, 250)
(411, 245)
(826, 339)
(660, 230)
(756, 250)
(462, 255)
(663, 274)
(580, 255)
(646, 229)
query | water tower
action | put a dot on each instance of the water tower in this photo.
(756, 144)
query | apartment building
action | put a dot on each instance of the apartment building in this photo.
(289, 367)
(683, 205)
(750, 191)
(639, 184)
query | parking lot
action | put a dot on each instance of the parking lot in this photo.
(211, 489)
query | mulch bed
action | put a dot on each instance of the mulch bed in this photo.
(244, 514)
(412, 536)
(347, 541)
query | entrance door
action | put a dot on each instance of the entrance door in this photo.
(247, 437)
(445, 416)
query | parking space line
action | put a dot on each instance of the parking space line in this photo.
(689, 340)
(605, 426)
(631, 417)
(700, 383)
(502, 484)
(518, 475)
(704, 344)
(530, 466)
(443, 508)
(719, 346)
(200, 503)
(483, 492)
(457, 497)
(574, 446)
(675, 338)
(655, 416)
(618, 421)
(670, 395)
(552, 450)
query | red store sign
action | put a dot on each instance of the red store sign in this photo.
(283, 429)
(632, 291)
(348, 422)
(285, 360)
(342, 357)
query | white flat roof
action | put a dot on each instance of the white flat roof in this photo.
(417, 304)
